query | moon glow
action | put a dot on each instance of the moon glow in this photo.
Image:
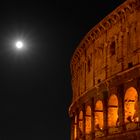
(19, 44)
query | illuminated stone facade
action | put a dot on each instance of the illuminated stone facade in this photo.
(105, 71)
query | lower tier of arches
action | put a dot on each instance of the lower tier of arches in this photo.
(110, 111)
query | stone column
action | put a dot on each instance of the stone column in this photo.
(121, 107)
(84, 121)
(75, 125)
(92, 119)
(85, 71)
(72, 128)
(138, 84)
(105, 112)
(93, 63)
(77, 128)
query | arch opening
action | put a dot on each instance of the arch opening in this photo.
(88, 120)
(99, 115)
(81, 128)
(75, 127)
(113, 118)
(131, 105)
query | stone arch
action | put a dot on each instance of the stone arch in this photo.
(88, 120)
(131, 105)
(81, 116)
(99, 115)
(113, 118)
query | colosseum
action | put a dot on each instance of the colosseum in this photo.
(105, 78)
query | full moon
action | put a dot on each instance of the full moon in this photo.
(19, 44)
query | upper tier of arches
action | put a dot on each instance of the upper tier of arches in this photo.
(109, 48)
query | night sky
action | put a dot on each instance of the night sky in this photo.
(35, 88)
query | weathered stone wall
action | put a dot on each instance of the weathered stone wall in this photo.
(95, 62)
(106, 63)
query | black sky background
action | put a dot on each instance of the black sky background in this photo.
(35, 89)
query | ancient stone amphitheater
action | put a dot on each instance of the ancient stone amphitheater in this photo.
(105, 71)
